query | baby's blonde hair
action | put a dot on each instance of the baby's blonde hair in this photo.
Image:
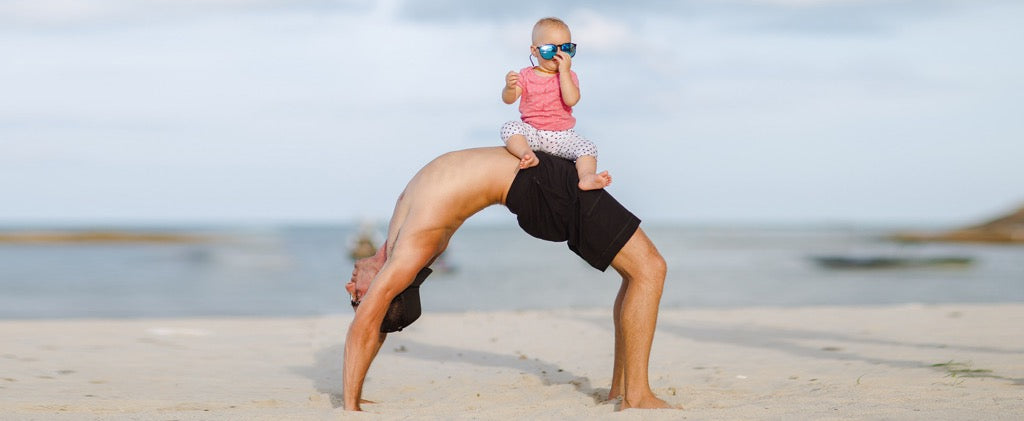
(548, 22)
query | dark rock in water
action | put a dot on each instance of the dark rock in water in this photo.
(887, 262)
(100, 237)
(1004, 229)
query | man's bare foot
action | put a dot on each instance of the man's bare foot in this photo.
(649, 402)
(595, 181)
(613, 394)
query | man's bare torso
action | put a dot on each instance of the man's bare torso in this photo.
(447, 191)
(435, 203)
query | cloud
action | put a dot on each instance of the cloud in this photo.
(834, 16)
(808, 16)
(77, 13)
(603, 34)
(461, 10)
(740, 95)
(841, 17)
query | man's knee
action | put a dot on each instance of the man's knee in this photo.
(653, 272)
(640, 261)
(657, 268)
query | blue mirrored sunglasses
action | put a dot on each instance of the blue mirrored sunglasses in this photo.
(548, 51)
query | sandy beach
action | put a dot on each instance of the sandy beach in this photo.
(956, 361)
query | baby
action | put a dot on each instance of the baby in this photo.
(549, 90)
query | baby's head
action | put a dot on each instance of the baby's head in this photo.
(549, 31)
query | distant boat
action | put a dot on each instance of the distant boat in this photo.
(363, 247)
(889, 262)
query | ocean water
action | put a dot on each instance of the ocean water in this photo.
(302, 271)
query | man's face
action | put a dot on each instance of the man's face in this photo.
(362, 275)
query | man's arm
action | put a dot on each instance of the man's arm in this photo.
(362, 343)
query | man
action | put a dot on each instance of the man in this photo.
(456, 185)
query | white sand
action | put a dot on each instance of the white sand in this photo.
(793, 363)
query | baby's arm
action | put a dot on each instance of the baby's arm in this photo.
(517, 144)
(512, 90)
(570, 87)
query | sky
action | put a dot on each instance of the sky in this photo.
(315, 111)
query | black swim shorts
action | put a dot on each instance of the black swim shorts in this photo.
(405, 307)
(549, 205)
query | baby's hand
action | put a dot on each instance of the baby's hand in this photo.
(528, 160)
(563, 60)
(511, 80)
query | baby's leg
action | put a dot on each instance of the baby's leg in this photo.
(585, 153)
(586, 167)
(519, 147)
(514, 134)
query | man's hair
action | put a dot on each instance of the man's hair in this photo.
(547, 22)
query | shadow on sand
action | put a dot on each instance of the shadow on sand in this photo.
(787, 340)
(327, 370)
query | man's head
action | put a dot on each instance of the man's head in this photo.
(363, 273)
(404, 308)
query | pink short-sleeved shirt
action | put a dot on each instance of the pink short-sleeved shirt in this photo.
(541, 104)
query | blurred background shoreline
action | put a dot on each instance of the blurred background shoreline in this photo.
(301, 269)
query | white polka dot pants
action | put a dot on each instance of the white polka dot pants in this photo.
(564, 144)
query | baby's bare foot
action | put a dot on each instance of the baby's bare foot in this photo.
(595, 181)
(528, 161)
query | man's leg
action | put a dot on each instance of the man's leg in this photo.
(620, 352)
(636, 316)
